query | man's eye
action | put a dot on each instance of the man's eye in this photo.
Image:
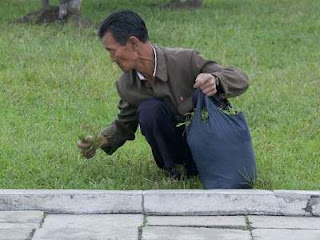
(110, 51)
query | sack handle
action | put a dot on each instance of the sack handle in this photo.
(203, 100)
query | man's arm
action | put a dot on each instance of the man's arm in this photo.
(114, 136)
(120, 130)
(211, 77)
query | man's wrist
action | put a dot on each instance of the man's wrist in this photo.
(103, 141)
(216, 79)
(218, 84)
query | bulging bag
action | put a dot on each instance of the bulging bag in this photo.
(221, 146)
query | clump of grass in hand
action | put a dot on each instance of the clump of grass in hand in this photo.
(92, 141)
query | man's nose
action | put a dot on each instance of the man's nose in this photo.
(112, 57)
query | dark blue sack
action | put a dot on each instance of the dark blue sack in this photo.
(221, 146)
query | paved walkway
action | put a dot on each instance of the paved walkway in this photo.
(159, 215)
(18, 225)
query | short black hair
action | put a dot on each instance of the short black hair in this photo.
(123, 24)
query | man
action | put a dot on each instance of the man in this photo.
(156, 90)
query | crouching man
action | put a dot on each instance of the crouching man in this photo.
(156, 90)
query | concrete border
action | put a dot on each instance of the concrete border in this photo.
(72, 201)
(232, 202)
(165, 202)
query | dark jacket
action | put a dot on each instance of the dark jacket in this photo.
(176, 73)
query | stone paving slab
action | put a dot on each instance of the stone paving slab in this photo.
(16, 234)
(285, 222)
(92, 226)
(19, 225)
(208, 221)
(21, 216)
(188, 233)
(285, 234)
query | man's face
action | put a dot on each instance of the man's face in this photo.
(123, 55)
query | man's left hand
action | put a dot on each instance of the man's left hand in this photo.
(206, 83)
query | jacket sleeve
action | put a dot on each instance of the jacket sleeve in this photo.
(232, 81)
(122, 129)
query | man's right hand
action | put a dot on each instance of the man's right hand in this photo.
(89, 145)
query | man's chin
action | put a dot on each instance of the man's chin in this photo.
(125, 70)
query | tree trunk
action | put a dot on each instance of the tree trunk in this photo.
(67, 12)
(45, 4)
(68, 8)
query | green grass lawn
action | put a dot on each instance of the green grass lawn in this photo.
(58, 83)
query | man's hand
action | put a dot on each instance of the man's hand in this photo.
(206, 83)
(89, 145)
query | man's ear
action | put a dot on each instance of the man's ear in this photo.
(134, 42)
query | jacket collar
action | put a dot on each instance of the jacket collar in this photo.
(161, 69)
(161, 72)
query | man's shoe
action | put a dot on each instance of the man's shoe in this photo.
(192, 173)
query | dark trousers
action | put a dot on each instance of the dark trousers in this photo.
(168, 144)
